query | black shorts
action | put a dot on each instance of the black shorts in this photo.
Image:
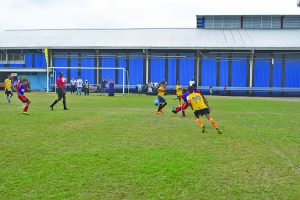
(8, 92)
(201, 112)
(61, 93)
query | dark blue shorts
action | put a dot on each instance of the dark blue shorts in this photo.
(160, 99)
(201, 112)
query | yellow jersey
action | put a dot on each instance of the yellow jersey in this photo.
(7, 84)
(178, 90)
(161, 91)
(196, 101)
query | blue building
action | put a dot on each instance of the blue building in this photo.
(244, 53)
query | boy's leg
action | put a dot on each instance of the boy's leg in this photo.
(213, 123)
(199, 122)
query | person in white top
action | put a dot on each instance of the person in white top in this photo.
(79, 83)
(73, 85)
(192, 82)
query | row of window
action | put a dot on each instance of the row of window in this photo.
(12, 58)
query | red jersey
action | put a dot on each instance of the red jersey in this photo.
(61, 83)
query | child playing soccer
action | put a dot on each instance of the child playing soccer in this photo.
(8, 88)
(184, 106)
(21, 95)
(162, 101)
(179, 91)
(200, 108)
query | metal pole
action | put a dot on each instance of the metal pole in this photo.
(123, 81)
(251, 71)
(147, 67)
(198, 65)
(47, 79)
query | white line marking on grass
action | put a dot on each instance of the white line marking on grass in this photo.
(279, 154)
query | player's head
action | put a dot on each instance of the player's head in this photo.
(9, 77)
(24, 81)
(194, 86)
(61, 74)
(190, 89)
(163, 84)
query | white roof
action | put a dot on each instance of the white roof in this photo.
(152, 38)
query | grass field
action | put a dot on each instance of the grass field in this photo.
(117, 148)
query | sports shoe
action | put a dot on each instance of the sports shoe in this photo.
(174, 111)
(203, 129)
(218, 130)
(25, 113)
(162, 111)
(51, 107)
(66, 108)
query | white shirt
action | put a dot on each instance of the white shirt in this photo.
(192, 82)
(79, 82)
(73, 82)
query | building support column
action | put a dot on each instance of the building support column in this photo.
(97, 65)
(251, 71)
(147, 66)
(198, 65)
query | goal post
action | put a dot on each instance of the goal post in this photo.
(125, 74)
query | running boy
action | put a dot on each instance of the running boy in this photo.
(200, 108)
(160, 97)
(8, 88)
(21, 89)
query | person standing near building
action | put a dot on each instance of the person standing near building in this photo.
(140, 88)
(73, 85)
(210, 90)
(111, 88)
(61, 91)
(86, 88)
(79, 83)
(8, 88)
(103, 86)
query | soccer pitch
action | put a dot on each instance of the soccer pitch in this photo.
(117, 148)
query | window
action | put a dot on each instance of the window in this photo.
(12, 58)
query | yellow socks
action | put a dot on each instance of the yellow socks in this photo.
(213, 123)
(199, 122)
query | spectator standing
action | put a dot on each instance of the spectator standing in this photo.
(103, 86)
(86, 87)
(192, 82)
(111, 88)
(79, 83)
(210, 90)
(140, 89)
(73, 85)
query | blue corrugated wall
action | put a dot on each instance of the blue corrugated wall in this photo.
(122, 64)
(186, 69)
(224, 70)
(157, 70)
(172, 72)
(74, 72)
(108, 73)
(261, 76)
(39, 60)
(88, 74)
(209, 70)
(61, 62)
(292, 70)
(136, 70)
(28, 60)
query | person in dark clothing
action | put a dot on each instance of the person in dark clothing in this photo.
(61, 91)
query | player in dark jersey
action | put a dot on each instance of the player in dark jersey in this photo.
(61, 93)
(21, 89)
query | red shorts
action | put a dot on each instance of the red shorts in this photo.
(23, 98)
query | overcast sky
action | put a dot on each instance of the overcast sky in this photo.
(38, 14)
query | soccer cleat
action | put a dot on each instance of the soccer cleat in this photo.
(174, 111)
(218, 130)
(51, 107)
(25, 113)
(66, 108)
(162, 111)
(158, 113)
(203, 129)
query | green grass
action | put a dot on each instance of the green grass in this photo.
(117, 148)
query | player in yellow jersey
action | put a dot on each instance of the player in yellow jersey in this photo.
(179, 91)
(160, 97)
(200, 108)
(8, 88)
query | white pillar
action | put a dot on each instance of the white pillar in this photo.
(251, 70)
(123, 81)
(147, 67)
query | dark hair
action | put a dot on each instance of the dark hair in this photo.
(190, 89)
(194, 86)
(23, 80)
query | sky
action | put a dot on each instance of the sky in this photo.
(51, 14)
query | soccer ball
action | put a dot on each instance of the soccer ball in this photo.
(156, 103)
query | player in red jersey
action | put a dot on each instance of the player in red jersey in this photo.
(61, 93)
(21, 89)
